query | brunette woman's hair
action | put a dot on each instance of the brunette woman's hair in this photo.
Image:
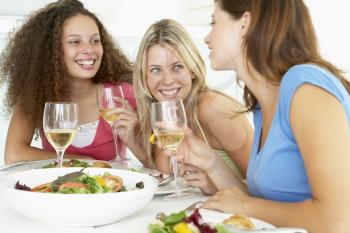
(280, 35)
(32, 62)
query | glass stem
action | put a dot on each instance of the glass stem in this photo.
(115, 139)
(59, 160)
(174, 165)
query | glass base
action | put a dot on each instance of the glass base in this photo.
(119, 159)
(178, 196)
(124, 162)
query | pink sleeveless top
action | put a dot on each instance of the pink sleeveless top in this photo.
(102, 147)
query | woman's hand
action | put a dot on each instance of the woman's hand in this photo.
(195, 152)
(197, 178)
(230, 200)
(126, 123)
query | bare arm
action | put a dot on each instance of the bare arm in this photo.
(19, 137)
(322, 132)
(162, 160)
(226, 128)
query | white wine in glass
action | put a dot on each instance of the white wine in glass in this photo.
(108, 99)
(60, 123)
(169, 138)
(168, 119)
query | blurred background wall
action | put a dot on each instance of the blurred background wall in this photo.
(127, 21)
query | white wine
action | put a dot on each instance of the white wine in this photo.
(60, 138)
(170, 139)
(108, 116)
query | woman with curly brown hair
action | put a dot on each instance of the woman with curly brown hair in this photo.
(61, 53)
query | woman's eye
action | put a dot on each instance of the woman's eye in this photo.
(73, 42)
(155, 70)
(96, 41)
(177, 67)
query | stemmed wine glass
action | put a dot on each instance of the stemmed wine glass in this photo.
(108, 98)
(60, 124)
(168, 119)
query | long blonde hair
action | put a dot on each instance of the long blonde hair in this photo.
(167, 33)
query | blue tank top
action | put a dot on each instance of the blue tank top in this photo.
(277, 171)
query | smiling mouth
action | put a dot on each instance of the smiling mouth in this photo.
(170, 93)
(86, 63)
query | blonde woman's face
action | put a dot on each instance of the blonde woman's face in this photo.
(82, 47)
(167, 76)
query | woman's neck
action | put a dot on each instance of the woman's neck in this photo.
(82, 90)
(264, 91)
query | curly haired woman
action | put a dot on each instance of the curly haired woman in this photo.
(61, 53)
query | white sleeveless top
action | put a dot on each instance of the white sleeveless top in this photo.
(85, 134)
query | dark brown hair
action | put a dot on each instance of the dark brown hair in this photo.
(281, 35)
(32, 62)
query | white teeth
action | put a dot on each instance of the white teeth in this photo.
(169, 92)
(85, 62)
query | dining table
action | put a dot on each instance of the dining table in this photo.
(12, 222)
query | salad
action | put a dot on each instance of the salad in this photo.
(194, 223)
(80, 183)
(79, 163)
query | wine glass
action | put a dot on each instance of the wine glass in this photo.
(108, 98)
(60, 123)
(168, 119)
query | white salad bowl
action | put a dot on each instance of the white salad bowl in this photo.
(75, 209)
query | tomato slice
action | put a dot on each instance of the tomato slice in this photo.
(115, 183)
(43, 188)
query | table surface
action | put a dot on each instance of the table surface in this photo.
(11, 221)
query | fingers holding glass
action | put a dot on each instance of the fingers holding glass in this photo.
(109, 98)
(168, 119)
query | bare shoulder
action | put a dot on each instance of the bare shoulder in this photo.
(317, 119)
(213, 104)
(314, 99)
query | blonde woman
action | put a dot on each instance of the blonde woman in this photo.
(169, 67)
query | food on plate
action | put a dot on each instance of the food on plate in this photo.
(159, 177)
(136, 169)
(81, 183)
(194, 223)
(101, 164)
(239, 221)
(79, 163)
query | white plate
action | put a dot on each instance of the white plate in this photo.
(163, 189)
(212, 216)
(140, 224)
(171, 188)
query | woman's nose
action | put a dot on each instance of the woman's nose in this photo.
(86, 48)
(206, 38)
(168, 77)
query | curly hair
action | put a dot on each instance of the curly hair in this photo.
(32, 63)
